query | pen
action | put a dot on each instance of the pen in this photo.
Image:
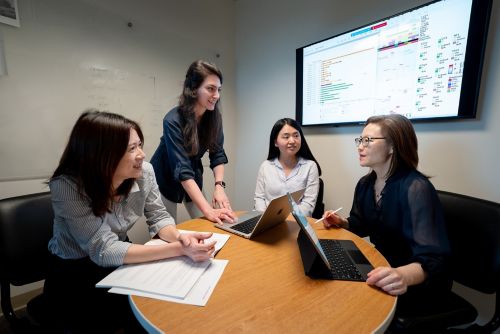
(321, 219)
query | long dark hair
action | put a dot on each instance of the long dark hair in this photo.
(399, 133)
(96, 145)
(211, 122)
(304, 150)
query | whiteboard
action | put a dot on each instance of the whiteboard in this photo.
(60, 65)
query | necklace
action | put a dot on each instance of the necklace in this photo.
(378, 189)
(378, 197)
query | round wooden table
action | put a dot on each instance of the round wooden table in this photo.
(264, 290)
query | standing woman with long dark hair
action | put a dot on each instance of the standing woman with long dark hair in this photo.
(190, 130)
(290, 166)
(100, 189)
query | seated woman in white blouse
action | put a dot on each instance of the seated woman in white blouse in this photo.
(290, 166)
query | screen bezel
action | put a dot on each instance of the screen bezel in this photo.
(308, 230)
(473, 65)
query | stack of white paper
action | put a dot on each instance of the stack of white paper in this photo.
(179, 279)
(198, 295)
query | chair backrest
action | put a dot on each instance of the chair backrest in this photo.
(474, 232)
(319, 209)
(25, 229)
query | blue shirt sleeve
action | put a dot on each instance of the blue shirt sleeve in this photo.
(173, 139)
(424, 228)
(218, 156)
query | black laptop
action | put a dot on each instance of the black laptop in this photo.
(328, 258)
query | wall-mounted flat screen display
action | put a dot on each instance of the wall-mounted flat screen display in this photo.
(424, 63)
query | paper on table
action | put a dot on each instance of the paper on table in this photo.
(170, 277)
(199, 294)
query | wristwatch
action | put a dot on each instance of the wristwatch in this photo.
(221, 183)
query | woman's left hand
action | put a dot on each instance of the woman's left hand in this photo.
(388, 279)
(220, 200)
(193, 237)
(194, 246)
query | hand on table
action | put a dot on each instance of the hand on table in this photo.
(388, 279)
(218, 215)
(194, 246)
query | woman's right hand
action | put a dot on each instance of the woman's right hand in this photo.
(218, 215)
(194, 247)
(332, 219)
(212, 214)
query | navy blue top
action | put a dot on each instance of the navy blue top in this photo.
(172, 164)
(407, 225)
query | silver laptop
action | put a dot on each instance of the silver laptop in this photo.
(255, 222)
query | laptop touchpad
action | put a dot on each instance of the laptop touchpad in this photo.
(358, 257)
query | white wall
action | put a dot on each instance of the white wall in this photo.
(462, 156)
(256, 41)
(52, 59)
(49, 82)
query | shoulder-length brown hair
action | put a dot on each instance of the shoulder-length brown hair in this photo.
(399, 133)
(211, 122)
(96, 145)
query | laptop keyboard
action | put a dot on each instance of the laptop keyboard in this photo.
(342, 267)
(248, 226)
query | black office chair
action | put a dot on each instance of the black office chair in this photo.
(25, 230)
(319, 209)
(474, 232)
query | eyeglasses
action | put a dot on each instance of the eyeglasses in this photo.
(365, 140)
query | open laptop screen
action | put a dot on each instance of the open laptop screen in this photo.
(308, 229)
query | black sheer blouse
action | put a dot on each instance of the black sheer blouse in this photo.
(406, 225)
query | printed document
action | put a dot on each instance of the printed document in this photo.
(169, 277)
(199, 294)
(178, 279)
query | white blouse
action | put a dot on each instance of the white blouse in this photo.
(272, 183)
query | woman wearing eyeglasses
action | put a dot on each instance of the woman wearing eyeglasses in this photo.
(398, 207)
